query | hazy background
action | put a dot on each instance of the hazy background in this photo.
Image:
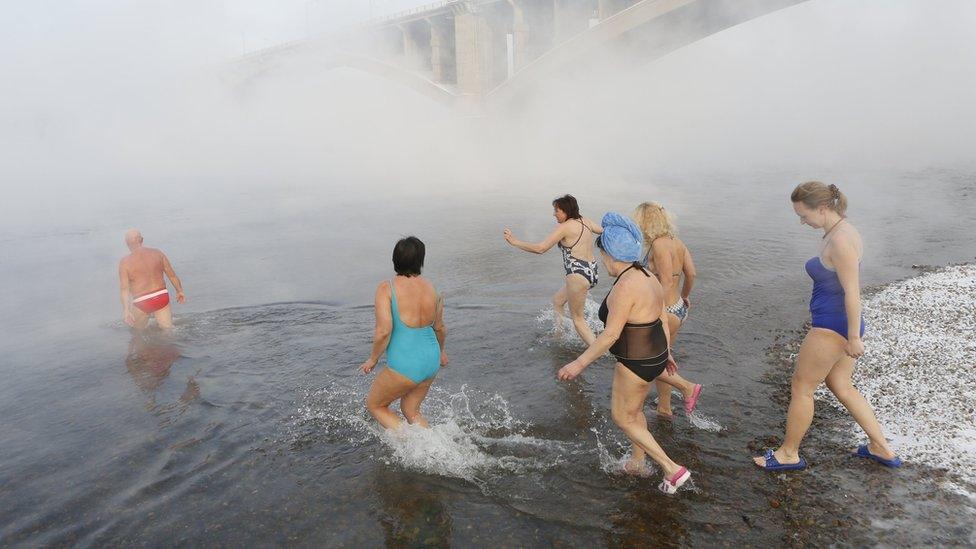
(103, 102)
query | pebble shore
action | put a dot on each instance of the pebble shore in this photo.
(919, 370)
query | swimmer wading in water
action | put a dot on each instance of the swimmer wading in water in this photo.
(574, 236)
(636, 334)
(410, 330)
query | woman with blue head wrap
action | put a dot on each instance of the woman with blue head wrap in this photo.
(636, 334)
(579, 261)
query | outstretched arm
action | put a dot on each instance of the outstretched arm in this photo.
(125, 296)
(383, 328)
(539, 248)
(168, 269)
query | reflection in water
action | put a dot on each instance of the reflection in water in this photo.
(149, 361)
(412, 514)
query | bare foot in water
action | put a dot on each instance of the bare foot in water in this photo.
(635, 467)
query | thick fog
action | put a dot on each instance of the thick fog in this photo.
(100, 101)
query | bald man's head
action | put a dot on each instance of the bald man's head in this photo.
(133, 239)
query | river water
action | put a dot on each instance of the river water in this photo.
(246, 425)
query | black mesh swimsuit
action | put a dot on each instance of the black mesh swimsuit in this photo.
(642, 348)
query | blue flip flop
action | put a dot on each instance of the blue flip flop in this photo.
(772, 464)
(862, 451)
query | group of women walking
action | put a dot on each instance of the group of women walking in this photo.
(649, 300)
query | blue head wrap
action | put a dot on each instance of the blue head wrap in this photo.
(621, 237)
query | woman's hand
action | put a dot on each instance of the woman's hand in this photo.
(854, 348)
(687, 301)
(509, 237)
(671, 367)
(367, 367)
(570, 371)
(129, 318)
(444, 359)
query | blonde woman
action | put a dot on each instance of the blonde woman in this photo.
(668, 258)
(834, 341)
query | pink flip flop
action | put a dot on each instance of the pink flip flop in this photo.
(693, 400)
(671, 485)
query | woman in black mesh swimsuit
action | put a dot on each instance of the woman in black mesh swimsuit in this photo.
(636, 334)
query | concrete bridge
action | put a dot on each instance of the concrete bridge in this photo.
(477, 54)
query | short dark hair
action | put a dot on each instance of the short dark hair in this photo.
(567, 203)
(408, 256)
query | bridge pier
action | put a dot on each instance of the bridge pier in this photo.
(442, 60)
(521, 36)
(474, 53)
(416, 44)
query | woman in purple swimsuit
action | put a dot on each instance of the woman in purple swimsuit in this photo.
(834, 342)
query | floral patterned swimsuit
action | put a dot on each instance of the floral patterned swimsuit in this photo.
(575, 265)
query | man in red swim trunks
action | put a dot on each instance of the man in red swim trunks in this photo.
(143, 290)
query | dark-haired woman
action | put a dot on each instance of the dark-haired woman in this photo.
(574, 236)
(410, 329)
(834, 342)
(636, 334)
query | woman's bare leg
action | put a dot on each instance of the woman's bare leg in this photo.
(839, 383)
(637, 456)
(410, 403)
(577, 289)
(627, 408)
(559, 300)
(387, 387)
(663, 387)
(821, 349)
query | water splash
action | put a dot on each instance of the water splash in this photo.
(704, 422)
(472, 436)
(565, 333)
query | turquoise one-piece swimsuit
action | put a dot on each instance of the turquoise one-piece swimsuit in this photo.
(412, 352)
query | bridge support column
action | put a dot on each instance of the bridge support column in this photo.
(521, 34)
(474, 53)
(415, 53)
(442, 61)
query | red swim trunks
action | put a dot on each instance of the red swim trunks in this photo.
(152, 302)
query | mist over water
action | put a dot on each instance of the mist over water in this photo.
(278, 202)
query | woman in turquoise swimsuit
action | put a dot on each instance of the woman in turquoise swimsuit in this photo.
(410, 328)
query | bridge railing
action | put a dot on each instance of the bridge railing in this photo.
(432, 6)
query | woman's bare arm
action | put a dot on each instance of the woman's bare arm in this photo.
(620, 303)
(690, 274)
(382, 329)
(541, 247)
(663, 265)
(440, 329)
(845, 259)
